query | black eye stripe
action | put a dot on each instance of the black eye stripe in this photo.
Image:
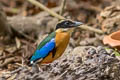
(64, 24)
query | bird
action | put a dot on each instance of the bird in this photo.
(54, 45)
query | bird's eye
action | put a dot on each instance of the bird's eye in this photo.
(67, 23)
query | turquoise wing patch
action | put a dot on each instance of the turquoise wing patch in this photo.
(47, 39)
(44, 51)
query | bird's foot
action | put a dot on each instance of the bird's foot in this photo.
(36, 68)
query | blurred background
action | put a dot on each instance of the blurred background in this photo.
(23, 25)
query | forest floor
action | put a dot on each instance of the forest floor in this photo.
(86, 57)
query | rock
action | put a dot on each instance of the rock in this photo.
(79, 51)
(101, 65)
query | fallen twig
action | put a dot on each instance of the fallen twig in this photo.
(18, 33)
(46, 9)
(58, 77)
(7, 61)
(86, 27)
(62, 7)
(12, 77)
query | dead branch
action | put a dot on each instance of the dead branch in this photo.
(61, 17)
(46, 9)
(62, 7)
(7, 61)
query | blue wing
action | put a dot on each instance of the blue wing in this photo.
(44, 51)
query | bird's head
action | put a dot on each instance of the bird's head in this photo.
(66, 25)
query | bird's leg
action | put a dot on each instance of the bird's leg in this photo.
(39, 68)
(39, 61)
(36, 68)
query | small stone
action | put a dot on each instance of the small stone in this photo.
(92, 51)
